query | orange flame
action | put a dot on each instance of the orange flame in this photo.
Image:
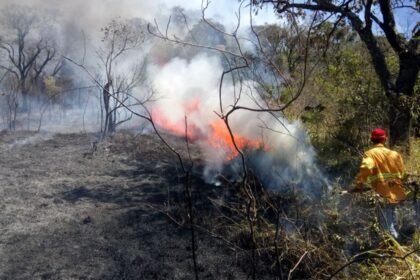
(175, 127)
(220, 138)
(216, 136)
(178, 127)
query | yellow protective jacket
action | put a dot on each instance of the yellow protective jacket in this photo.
(383, 169)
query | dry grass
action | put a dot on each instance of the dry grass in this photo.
(412, 162)
(294, 237)
(120, 214)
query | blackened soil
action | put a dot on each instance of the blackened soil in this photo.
(74, 210)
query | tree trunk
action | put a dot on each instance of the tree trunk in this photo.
(402, 106)
(25, 97)
(400, 126)
(400, 93)
(106, 97)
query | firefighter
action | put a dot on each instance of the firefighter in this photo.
(383, 169)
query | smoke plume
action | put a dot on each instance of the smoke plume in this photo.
(187, 92)
(278, 151)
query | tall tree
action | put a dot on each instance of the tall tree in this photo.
(24, 48)
(119, 37)
(367, 18)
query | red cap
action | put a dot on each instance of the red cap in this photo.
(378, 134)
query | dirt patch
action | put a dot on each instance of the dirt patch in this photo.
(74, 209)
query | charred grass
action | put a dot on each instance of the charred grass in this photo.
(74, 209)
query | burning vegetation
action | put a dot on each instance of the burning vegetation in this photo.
(203, 150)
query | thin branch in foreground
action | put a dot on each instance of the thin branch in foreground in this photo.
(186, 171)
(296, 265)
(356, 259)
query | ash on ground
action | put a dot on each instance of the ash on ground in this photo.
(74, 209)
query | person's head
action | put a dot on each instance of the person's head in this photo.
(378, 135)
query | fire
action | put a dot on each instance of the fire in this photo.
(175, 127)
(215, 134)
(178, 127)
(220, 138)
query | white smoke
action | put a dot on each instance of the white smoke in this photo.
(188, 87)
(287, 157)
(90, 16)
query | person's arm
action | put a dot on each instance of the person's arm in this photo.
(365, 170)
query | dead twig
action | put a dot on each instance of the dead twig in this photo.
(373, 255)
(296, 265)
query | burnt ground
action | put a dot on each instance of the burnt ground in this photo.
(68, 213)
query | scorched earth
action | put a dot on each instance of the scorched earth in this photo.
(71, 209)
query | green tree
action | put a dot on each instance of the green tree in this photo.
(364, 17)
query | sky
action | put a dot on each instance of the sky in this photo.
(93, 14)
